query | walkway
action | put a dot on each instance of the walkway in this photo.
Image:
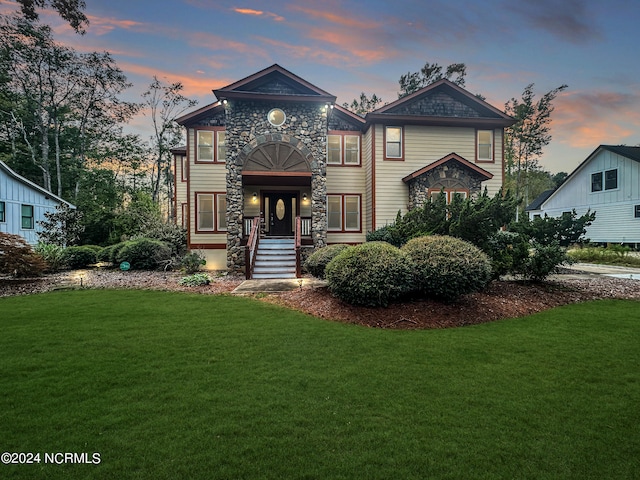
(276, 285)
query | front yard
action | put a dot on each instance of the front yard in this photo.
(171, 385)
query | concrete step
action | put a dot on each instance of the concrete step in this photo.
(272, 276)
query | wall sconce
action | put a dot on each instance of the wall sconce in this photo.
(255, 197)
(224, 102)
(304, 198)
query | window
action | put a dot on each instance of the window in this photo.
(611, 179)
(607, 179)
(211, 146)
(343, 213)
(27, 217)
(393, 143)
(596, 182)
(3, 218)
(485, 146)
(183, 167)
(450, 194)
(211, 211)
(637, 211)
(185, 216)
(343, 149)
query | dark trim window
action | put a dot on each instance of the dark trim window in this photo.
(344, 212)
(343, 148)
(484, 146)
(211, 145)
(393, 143)
(636, 211)
(183, 168)
(3, 217)
(27, 217)
(449, 193)
(607, 180)
(185, 216)
(211, 212)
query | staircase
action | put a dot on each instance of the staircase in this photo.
(275, 258)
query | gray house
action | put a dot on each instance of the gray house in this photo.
(606, 182)
(23, 204)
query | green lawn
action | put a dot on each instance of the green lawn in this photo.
(175, 386)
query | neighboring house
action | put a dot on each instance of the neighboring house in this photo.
(276, 147)
(608, 183)
(23, 204)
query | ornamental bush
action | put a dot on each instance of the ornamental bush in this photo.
(192, 262)
(144, 254)
(508, 252)
(52, 254)
(109, 254)
(447, 267)
(372, 274)
(79, 257)
(318, 260)
(543, 260)
(17, 258)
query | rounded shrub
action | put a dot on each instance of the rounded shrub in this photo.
(79, 257)
(447, 267)
(143, 254)
(108, 254)
(372, 274)
(318, 260)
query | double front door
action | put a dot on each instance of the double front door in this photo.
(280, 213)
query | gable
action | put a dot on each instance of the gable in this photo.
(442, 103)
(274, 83)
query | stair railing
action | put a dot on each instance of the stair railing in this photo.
(298, 246)
(252, 248)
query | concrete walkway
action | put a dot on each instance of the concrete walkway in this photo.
(607, 270)
(276, 285)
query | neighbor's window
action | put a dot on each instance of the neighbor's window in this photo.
(485, 145)
(211, 146)
(27, 217)
(611, 179)
(393, 142)
(2, 214)
(596, 182)
(637, 211)
(343, 213)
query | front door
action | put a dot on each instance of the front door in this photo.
(280, 214)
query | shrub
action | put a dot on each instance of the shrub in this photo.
(195, 280)
(508, 251)
(318, 260)
(192, 262)
(17, 258)
(52, 254)
(109, 254)
(447, 267)
(173, 235)
(544, 260)
(143, 253)
(79, 257)
(373, 274)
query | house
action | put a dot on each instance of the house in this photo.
(277, 155)
(608, 183)
(23, 204)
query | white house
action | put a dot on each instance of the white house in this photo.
(23, 204)
(608, 183)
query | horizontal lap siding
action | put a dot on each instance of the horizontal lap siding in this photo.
(204, 177)
(367, 206)
(346, 180)
(181, 190)
(423, 146)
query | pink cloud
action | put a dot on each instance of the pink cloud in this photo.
(259, 13)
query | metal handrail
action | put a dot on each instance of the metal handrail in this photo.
(252, 248)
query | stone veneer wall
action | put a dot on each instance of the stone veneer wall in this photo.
(450, 175)
(247, 127)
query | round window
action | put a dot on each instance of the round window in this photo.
(276, 117)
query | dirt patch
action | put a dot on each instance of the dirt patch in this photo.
(502, 299)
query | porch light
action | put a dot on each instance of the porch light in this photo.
(304, 198)
(255, 197)
(224, 102)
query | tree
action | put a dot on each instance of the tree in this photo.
(525, 139)
(431, 72)
(62, 227)
(69, 10)
(363, 105)
(165, 103)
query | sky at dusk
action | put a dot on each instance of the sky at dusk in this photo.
(348, 47)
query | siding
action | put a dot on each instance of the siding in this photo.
(423, 146)
(15, 194)
(181, 189)
(367, 163)
(615, 221)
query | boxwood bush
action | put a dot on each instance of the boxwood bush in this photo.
(447, 267)
(371, 274)
(143, 254)
(79, 257)
(318, 260)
